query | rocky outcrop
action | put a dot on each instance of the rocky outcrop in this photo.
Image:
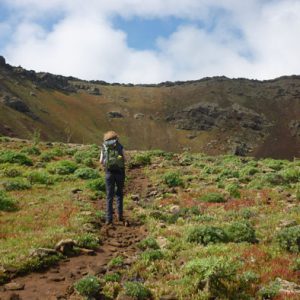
(139, 116)
(206, 116)
(114, 115)
(94, 91)
(54, 82)
(18, 105)
(2, 61)
(294, 127)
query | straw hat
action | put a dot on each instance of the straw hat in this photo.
(110, 135)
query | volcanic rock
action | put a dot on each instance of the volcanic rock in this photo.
(114, 115)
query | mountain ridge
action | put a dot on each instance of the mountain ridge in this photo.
(246, 116)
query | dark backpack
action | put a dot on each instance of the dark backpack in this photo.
(113, 155)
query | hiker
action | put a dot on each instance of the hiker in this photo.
(113, 159)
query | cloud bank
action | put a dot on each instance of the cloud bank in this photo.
(258, 39)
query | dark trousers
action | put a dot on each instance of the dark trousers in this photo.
(114, 179)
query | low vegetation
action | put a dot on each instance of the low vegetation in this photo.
(219, 227)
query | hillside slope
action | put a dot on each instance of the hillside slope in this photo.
(212, 115)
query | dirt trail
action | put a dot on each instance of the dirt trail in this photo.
(56, 282)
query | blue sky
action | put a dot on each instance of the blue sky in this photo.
(137, 41)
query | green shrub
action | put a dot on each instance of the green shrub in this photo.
(16, 185)
(88, 155)
(31, 150)
(6, 202)
(289, 238)
(140, 160)
(269, 291)
(137, 290)
(233, 190)
(273, 163)
(213, 198)
(217, 273)
(207, 235)
(148, 243)
(12, 172)
(291, 175)
(151, 255)
(116, 262)
(41, 177)
(14, 158)
(248, 171)
(62, 167)
(298, 192)
(89, 241)
(47, 156)
(96, 184)
(172, 179)
(86, 173)
(88, 286)
(238, 232)
(112, 277)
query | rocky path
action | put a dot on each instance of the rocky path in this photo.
(57, 282)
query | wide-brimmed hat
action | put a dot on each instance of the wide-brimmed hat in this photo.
(110, 135)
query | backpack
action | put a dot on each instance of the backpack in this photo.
(113, 158)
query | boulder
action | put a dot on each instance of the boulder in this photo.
(294, 127)
(14, 286)
(2, 61)
(42, 252)
(15, 104)
(94, 91)
(65, 246)
(288, 287)
(114, 115)
(139, 116)
(135, 197)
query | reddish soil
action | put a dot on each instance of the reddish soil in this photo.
(57, 282)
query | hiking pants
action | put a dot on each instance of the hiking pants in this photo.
(114, 179)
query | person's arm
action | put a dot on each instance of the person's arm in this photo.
(123, 154)
(101, 158)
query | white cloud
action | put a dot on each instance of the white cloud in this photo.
(256, 39)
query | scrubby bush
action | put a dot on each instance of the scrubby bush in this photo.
(218, 274)
(291, 175)
(41, 177)
(89, 241)
(148, 243)
(172, 179)
(112, 277)
(151, 255)
(207, 235)
(62, 167)
(14, 158)
(269, 291)
(233, 190)
(289, 238)
(6, 202)
(238, 232)
(140, 160)
(17, 184)
(97, 184)
(86, 173)
(116, 262)
(86, 157)
(88, 286)
(213, 198)
(31, 150)
(12, 172)
(274, 164)
(47, 156)
(137, 290)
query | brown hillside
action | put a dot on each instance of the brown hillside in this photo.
(211, 115)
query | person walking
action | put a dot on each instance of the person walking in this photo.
(112, 157)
